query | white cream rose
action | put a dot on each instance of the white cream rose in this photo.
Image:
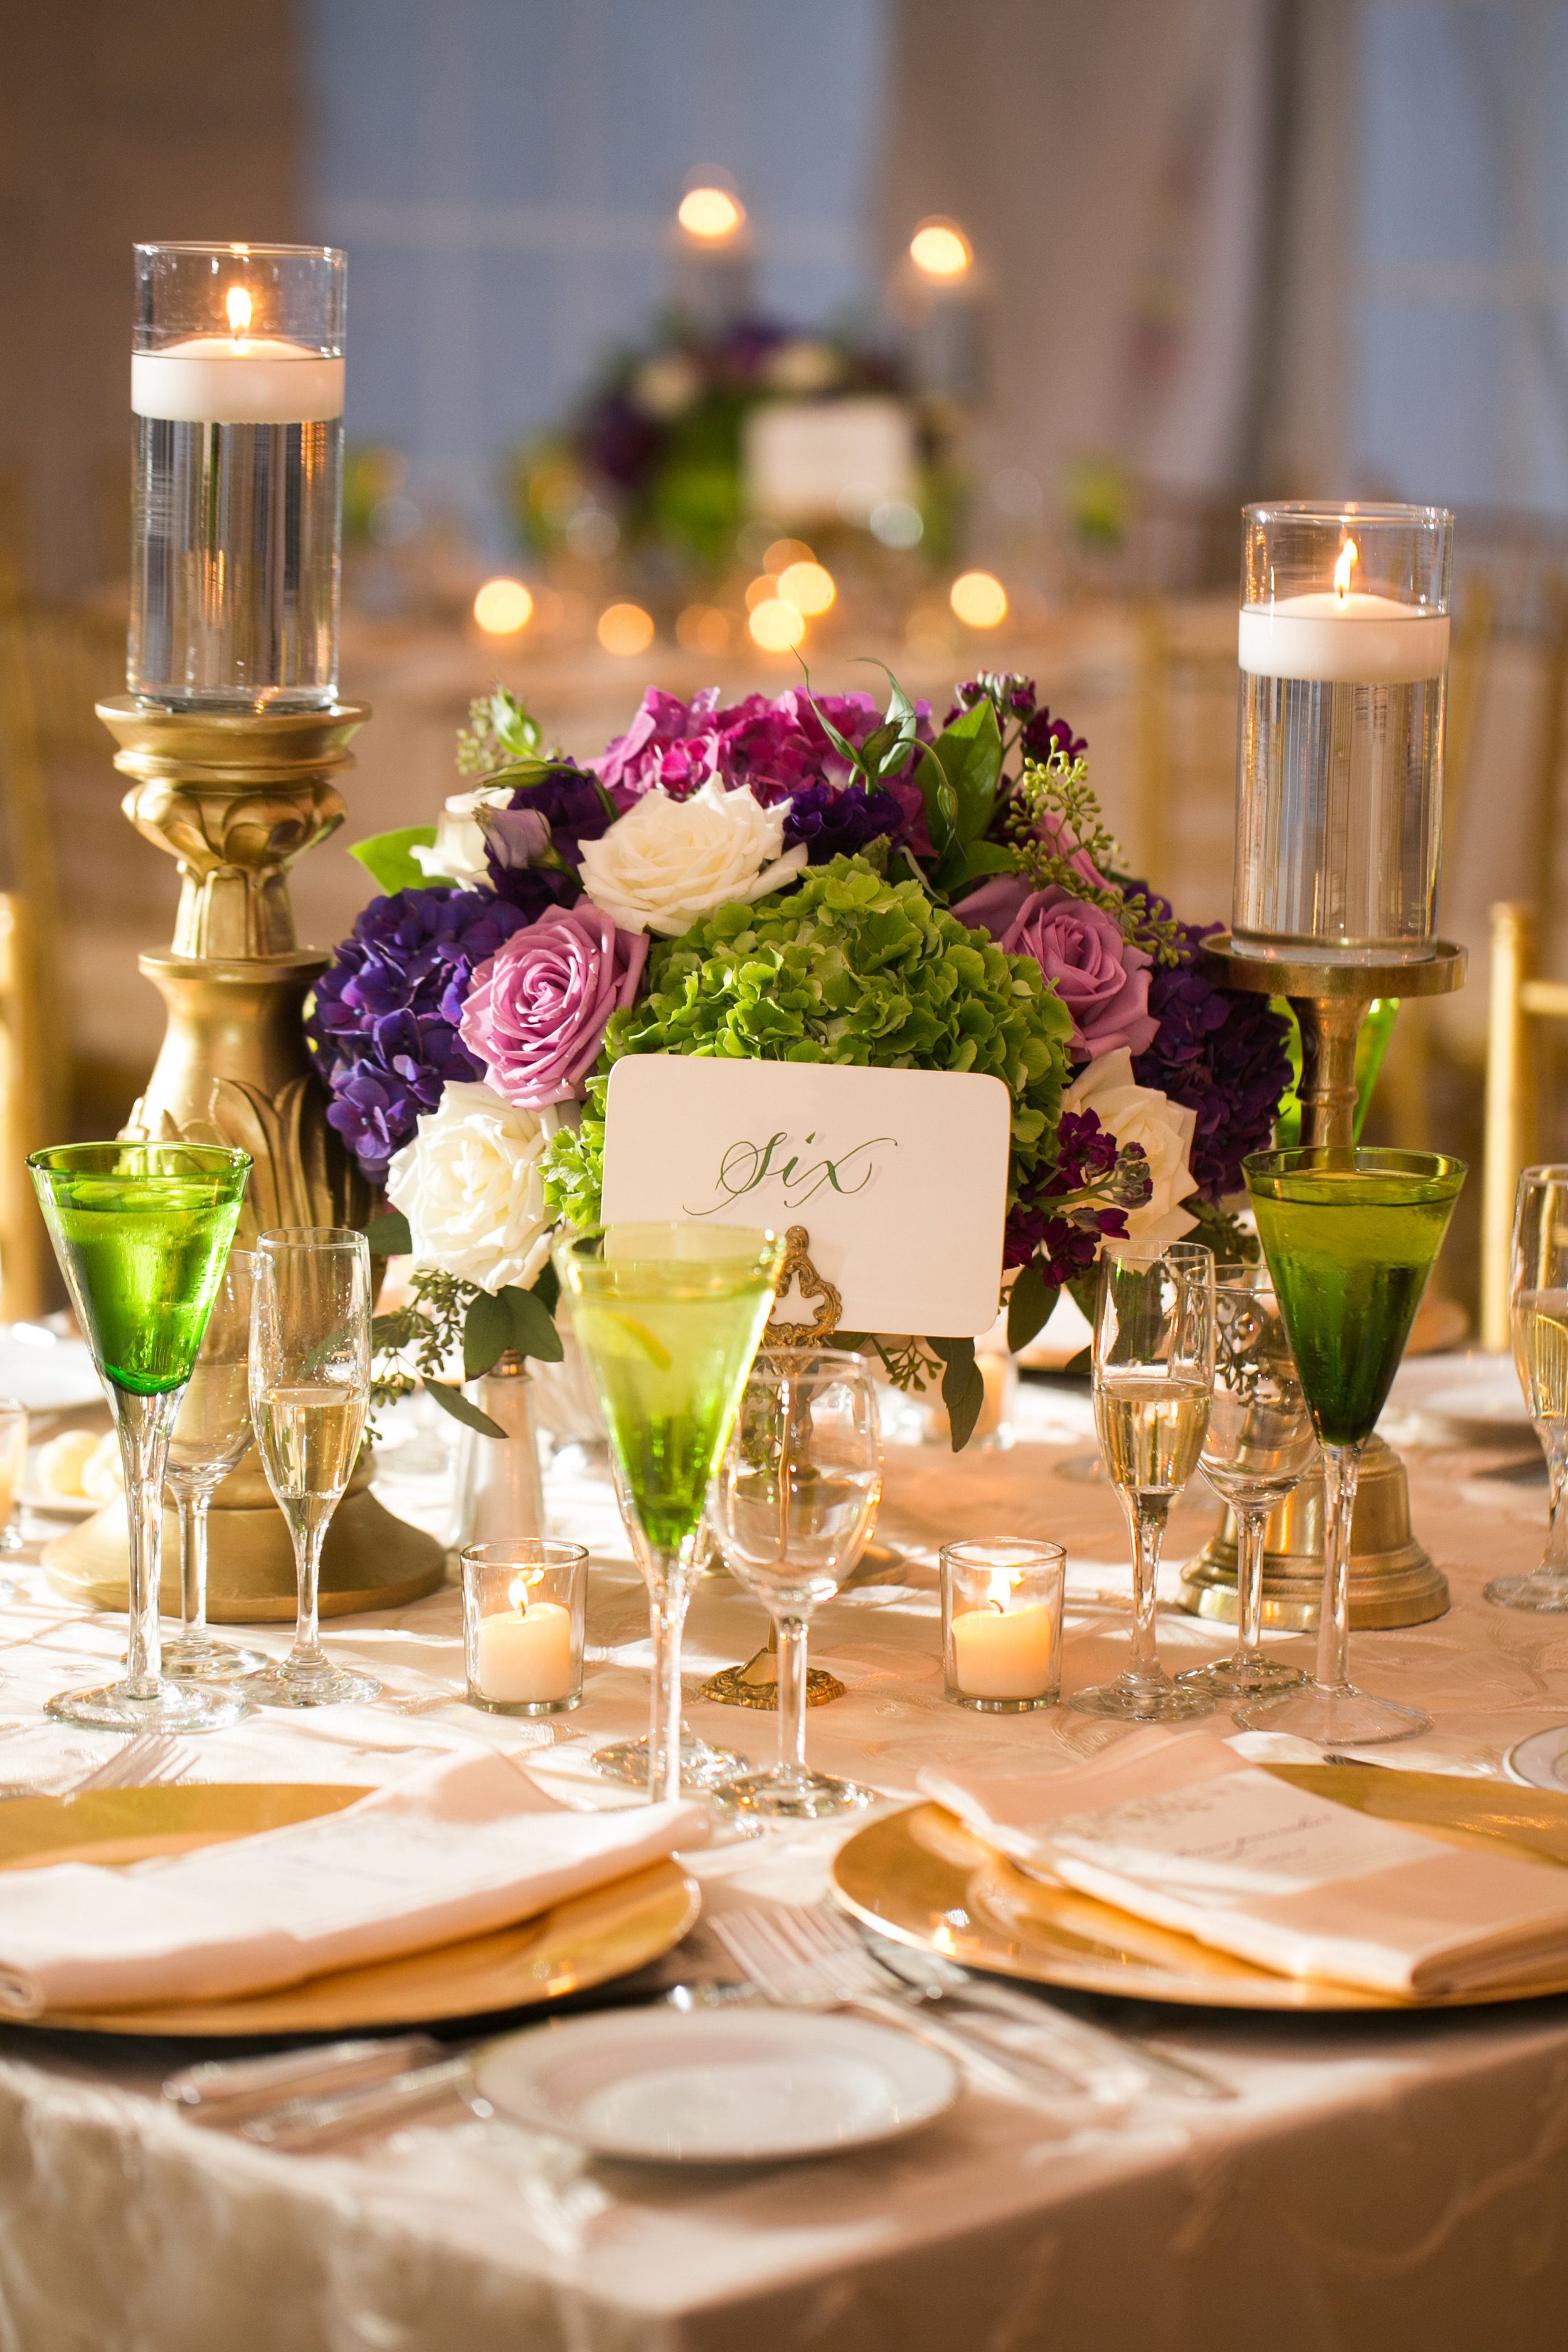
(458, 851)
(667, 862)
(471, 1186)
(1135, 1114)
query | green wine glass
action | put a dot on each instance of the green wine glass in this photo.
(1351, 1237)
(668, 1317)
(142, 1231)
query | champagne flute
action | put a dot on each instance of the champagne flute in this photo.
(793, 1502)
(1351, 1237)
(141, 1231)
(309, 1395)
(1537, 1309)
(667, 1317)
(211, 1437)
(1153, 1380)
(1258, 1445)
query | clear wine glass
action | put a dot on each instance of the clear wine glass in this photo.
(1154, 1382)
(793, 1502)
(310, 1396)
(1537, 1309)
(1258, 1445)
(211, 1437)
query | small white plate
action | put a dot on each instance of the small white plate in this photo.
(46, 1373)
(1481, 1412)
(1534, 1761)
(59, 1506)
(729, 2087)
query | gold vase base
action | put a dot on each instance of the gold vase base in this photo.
(756, 1685)
(370, 1560)
(1393, 1581)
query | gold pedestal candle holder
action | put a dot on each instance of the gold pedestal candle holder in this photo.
(236, 797)
(1393, 1581)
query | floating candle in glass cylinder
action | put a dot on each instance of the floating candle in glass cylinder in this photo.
(1343, 649)
(1002, 1624)
(237, 387)
(523, 1606)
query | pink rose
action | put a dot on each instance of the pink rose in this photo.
(536, 1013)
(1099, 975)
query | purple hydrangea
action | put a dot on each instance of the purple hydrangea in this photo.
(386, 1018)
(833, 823)
(1220, 1054)
(1064, 1233)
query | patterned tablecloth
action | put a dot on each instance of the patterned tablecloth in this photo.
(1378, 2182)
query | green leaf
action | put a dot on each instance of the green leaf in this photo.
(901, 711)
(486, 1335)
(532, 1325)
(1080, 1367)
(388, 1235)
(969, 755)
(963, 1387)
(454, 1401)
(1029, 1306)
(985, 857)
(385, 857)
(547, 1289)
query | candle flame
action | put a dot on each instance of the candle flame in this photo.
(238, 307)
(517, 1590)
(1001, 1589)
(1350, 556)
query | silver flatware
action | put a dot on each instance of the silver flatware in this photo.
(222, 2093)
(151, 1759)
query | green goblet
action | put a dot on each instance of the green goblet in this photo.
(1351, 1237)
(142, 1231)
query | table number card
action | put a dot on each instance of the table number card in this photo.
(899, 1176)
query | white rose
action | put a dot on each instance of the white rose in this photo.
(471, 1186)
(667, 862)
(457, 854)
(1135, 1114)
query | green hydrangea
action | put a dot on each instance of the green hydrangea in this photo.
(846, 967)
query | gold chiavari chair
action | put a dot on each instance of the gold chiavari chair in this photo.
(23, 1252)
(1512, 1104)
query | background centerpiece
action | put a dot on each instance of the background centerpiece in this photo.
(805, 878)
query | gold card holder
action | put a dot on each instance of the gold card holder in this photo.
(798, 1272)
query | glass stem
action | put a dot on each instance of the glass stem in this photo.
(309, 1533)
(1341, 1468)
(1147, 1515)
(194, 1564)
(145, 1423)
(1554, 1561)
(791, 1639)
(1251, 1532)
(670, 1593)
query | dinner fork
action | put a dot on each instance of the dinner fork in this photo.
(152, 1759)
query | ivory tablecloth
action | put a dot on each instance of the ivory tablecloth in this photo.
(1378, 2183)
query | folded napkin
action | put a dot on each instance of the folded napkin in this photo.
(467, 1843)
(1176, 1827)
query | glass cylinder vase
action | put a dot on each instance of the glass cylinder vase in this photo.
(1343, 649)
(237, 387)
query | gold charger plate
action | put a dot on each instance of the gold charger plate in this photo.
(584, 1941)
(922, 1878)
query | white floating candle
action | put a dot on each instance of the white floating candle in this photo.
(1002, 1653)
(525, 1654)
(237, 380)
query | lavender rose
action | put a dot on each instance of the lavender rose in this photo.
(1099, 975)
(537, 1010)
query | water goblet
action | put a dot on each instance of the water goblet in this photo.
(793, 1502)
(1154, 1382)
(142, 1231)
(310, 1396)
(668, 1317)
(1351, 1236)
(1538, 1312)
(211, 1437)
(1258, 1445)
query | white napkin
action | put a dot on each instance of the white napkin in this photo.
(1175, 1827)
(466, 1844)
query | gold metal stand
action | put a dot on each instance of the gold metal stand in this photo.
(1391, 1579)
(236, 797)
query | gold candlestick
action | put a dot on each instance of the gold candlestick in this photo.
(236, 797)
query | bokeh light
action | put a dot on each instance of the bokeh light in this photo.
(940, 249)
(626, 629)
(711, 213)
(979, 599)
(703, 629)
(775, 625)
(809, 587)
(502, 607)
(782, 553)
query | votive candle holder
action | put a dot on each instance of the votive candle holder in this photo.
(1002, 1624)
(524, 1606)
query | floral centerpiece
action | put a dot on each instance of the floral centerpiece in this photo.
(805, 878)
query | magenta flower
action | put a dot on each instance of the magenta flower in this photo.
(775, 748)
(537, 1012)
(1099, 975)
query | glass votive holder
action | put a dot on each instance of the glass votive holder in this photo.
(523, 1609)
(13, 1468)
(1002, 1624)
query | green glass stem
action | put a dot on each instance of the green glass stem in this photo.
(143, 1424)
(1341, 1469)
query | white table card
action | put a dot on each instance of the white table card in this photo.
(899, 1176)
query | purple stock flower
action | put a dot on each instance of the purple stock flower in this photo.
(533, 845)
(1066, 1232)
(1219, 1054)
(831, 822)
(386, 1017)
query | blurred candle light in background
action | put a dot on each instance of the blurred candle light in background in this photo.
(979, 600)
(711, 213)
(626, 629)
(939, 248)
(703, 629)
(502, 607)
(809, 587)
(776, 626)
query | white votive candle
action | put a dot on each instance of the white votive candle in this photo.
(525, 1654)
(1002, 1653)
(237, 380)
(1355, 638)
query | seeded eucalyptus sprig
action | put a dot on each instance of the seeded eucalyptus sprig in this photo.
(1053, 816)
